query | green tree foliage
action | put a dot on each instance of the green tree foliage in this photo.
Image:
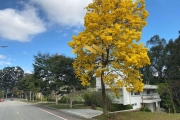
(157, 54)
(166, 92)
(55, 70)
(57, 74)
(165, 62)
(1, 94)
(28, 84)
(42, 65)
(173, 57)
(95, 98)
(9, 78)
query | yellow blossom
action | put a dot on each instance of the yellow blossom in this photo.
(114, 26)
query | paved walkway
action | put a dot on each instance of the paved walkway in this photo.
(83, 113)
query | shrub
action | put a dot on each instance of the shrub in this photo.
(78, 102)
(51, 99)
(145, 109)
(87, 98)
(96, 99)
(63, 100)
(93, 106)
(118, 107)
(127, 107)
(142, 109)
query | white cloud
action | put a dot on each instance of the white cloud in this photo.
(76, 31)
(4, 63)
(65, 34)
(2, 57)
(20, 25)
(24, 52)
(5, 60)
(64, 12)
(28, 71)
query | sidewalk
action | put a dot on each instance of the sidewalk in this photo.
(82, 113)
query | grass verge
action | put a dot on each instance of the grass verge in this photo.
(139, 116)
(66, 106)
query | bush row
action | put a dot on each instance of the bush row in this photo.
(66, 100)
(94, 100)
(145, 109)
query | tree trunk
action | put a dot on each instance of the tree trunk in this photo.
(172, 103)
(105, 111)
(41, 97)
(26, 96)
(33, 96)
(71, 99)
(56, 99)
(36, 96)
(171, 96)
(30, 95)
(71, 102)
(48, 98)
(177, 98)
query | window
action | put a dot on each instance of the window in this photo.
(137, 93)
(132, 93)
(148, 92)
(134, 104)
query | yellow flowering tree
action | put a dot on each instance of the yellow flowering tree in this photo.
(115, 27)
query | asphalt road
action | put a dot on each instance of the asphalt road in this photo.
(16, 110)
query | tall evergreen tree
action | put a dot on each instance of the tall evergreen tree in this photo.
(173, 59)
(157, 55)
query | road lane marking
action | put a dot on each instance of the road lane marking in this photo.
(53, 114)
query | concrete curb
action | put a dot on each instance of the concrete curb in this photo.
(130, 110)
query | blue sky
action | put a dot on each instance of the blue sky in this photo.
(31, 26)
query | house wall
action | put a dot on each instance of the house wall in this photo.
(124, 98)
(150, 106)
(98, 84)
(153, 91)
(135, 99)
(114, 98)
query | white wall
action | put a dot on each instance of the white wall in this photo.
(150, 106)
(113, 96)
(126, 97)
(98, 84)
(135, 101)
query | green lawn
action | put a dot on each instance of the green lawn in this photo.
(139, 116)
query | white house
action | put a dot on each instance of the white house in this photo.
(148, 98)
